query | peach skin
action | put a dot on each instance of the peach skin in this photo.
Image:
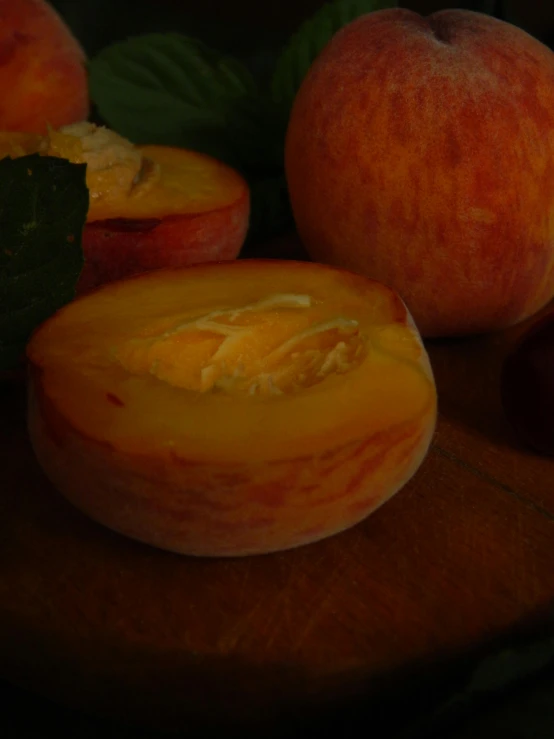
(231, 408)
(420, 153)
(43, 79)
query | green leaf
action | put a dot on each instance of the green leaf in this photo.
(173, 90)
(43, 208)
(497, 672)
(305, 45)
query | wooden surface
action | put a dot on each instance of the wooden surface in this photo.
(458, 558)
(461, 556)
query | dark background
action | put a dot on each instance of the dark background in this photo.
(255, 31)
(244, 26)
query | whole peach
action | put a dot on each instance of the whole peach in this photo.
(420, 152)
(42, 69)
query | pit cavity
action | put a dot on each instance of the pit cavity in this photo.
(281, 344)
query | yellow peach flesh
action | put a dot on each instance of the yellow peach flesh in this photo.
(127, 181)
(117, 353)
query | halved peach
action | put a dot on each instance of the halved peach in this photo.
(231, 408)
(150, 206)
(197, 212)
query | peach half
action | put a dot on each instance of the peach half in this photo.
(231, 408)
(150, 206)
(198, 211)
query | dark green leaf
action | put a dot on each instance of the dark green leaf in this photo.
(43, 207)
(524, 713)
(309, 40)
(496, 673)
(173, 90)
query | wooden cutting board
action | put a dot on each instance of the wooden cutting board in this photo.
(461, 555)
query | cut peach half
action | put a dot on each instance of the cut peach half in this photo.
(231, 408)
(197, 211)
(150, 206)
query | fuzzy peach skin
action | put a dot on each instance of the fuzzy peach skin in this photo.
(231, 408)
(420, 152)
(43, 79)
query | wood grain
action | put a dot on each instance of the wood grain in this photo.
(474, 429)
(459, 557)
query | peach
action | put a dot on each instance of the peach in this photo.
(150, 206)
(43, 78)
(420, 153)
(231, 408)
(197, 212)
